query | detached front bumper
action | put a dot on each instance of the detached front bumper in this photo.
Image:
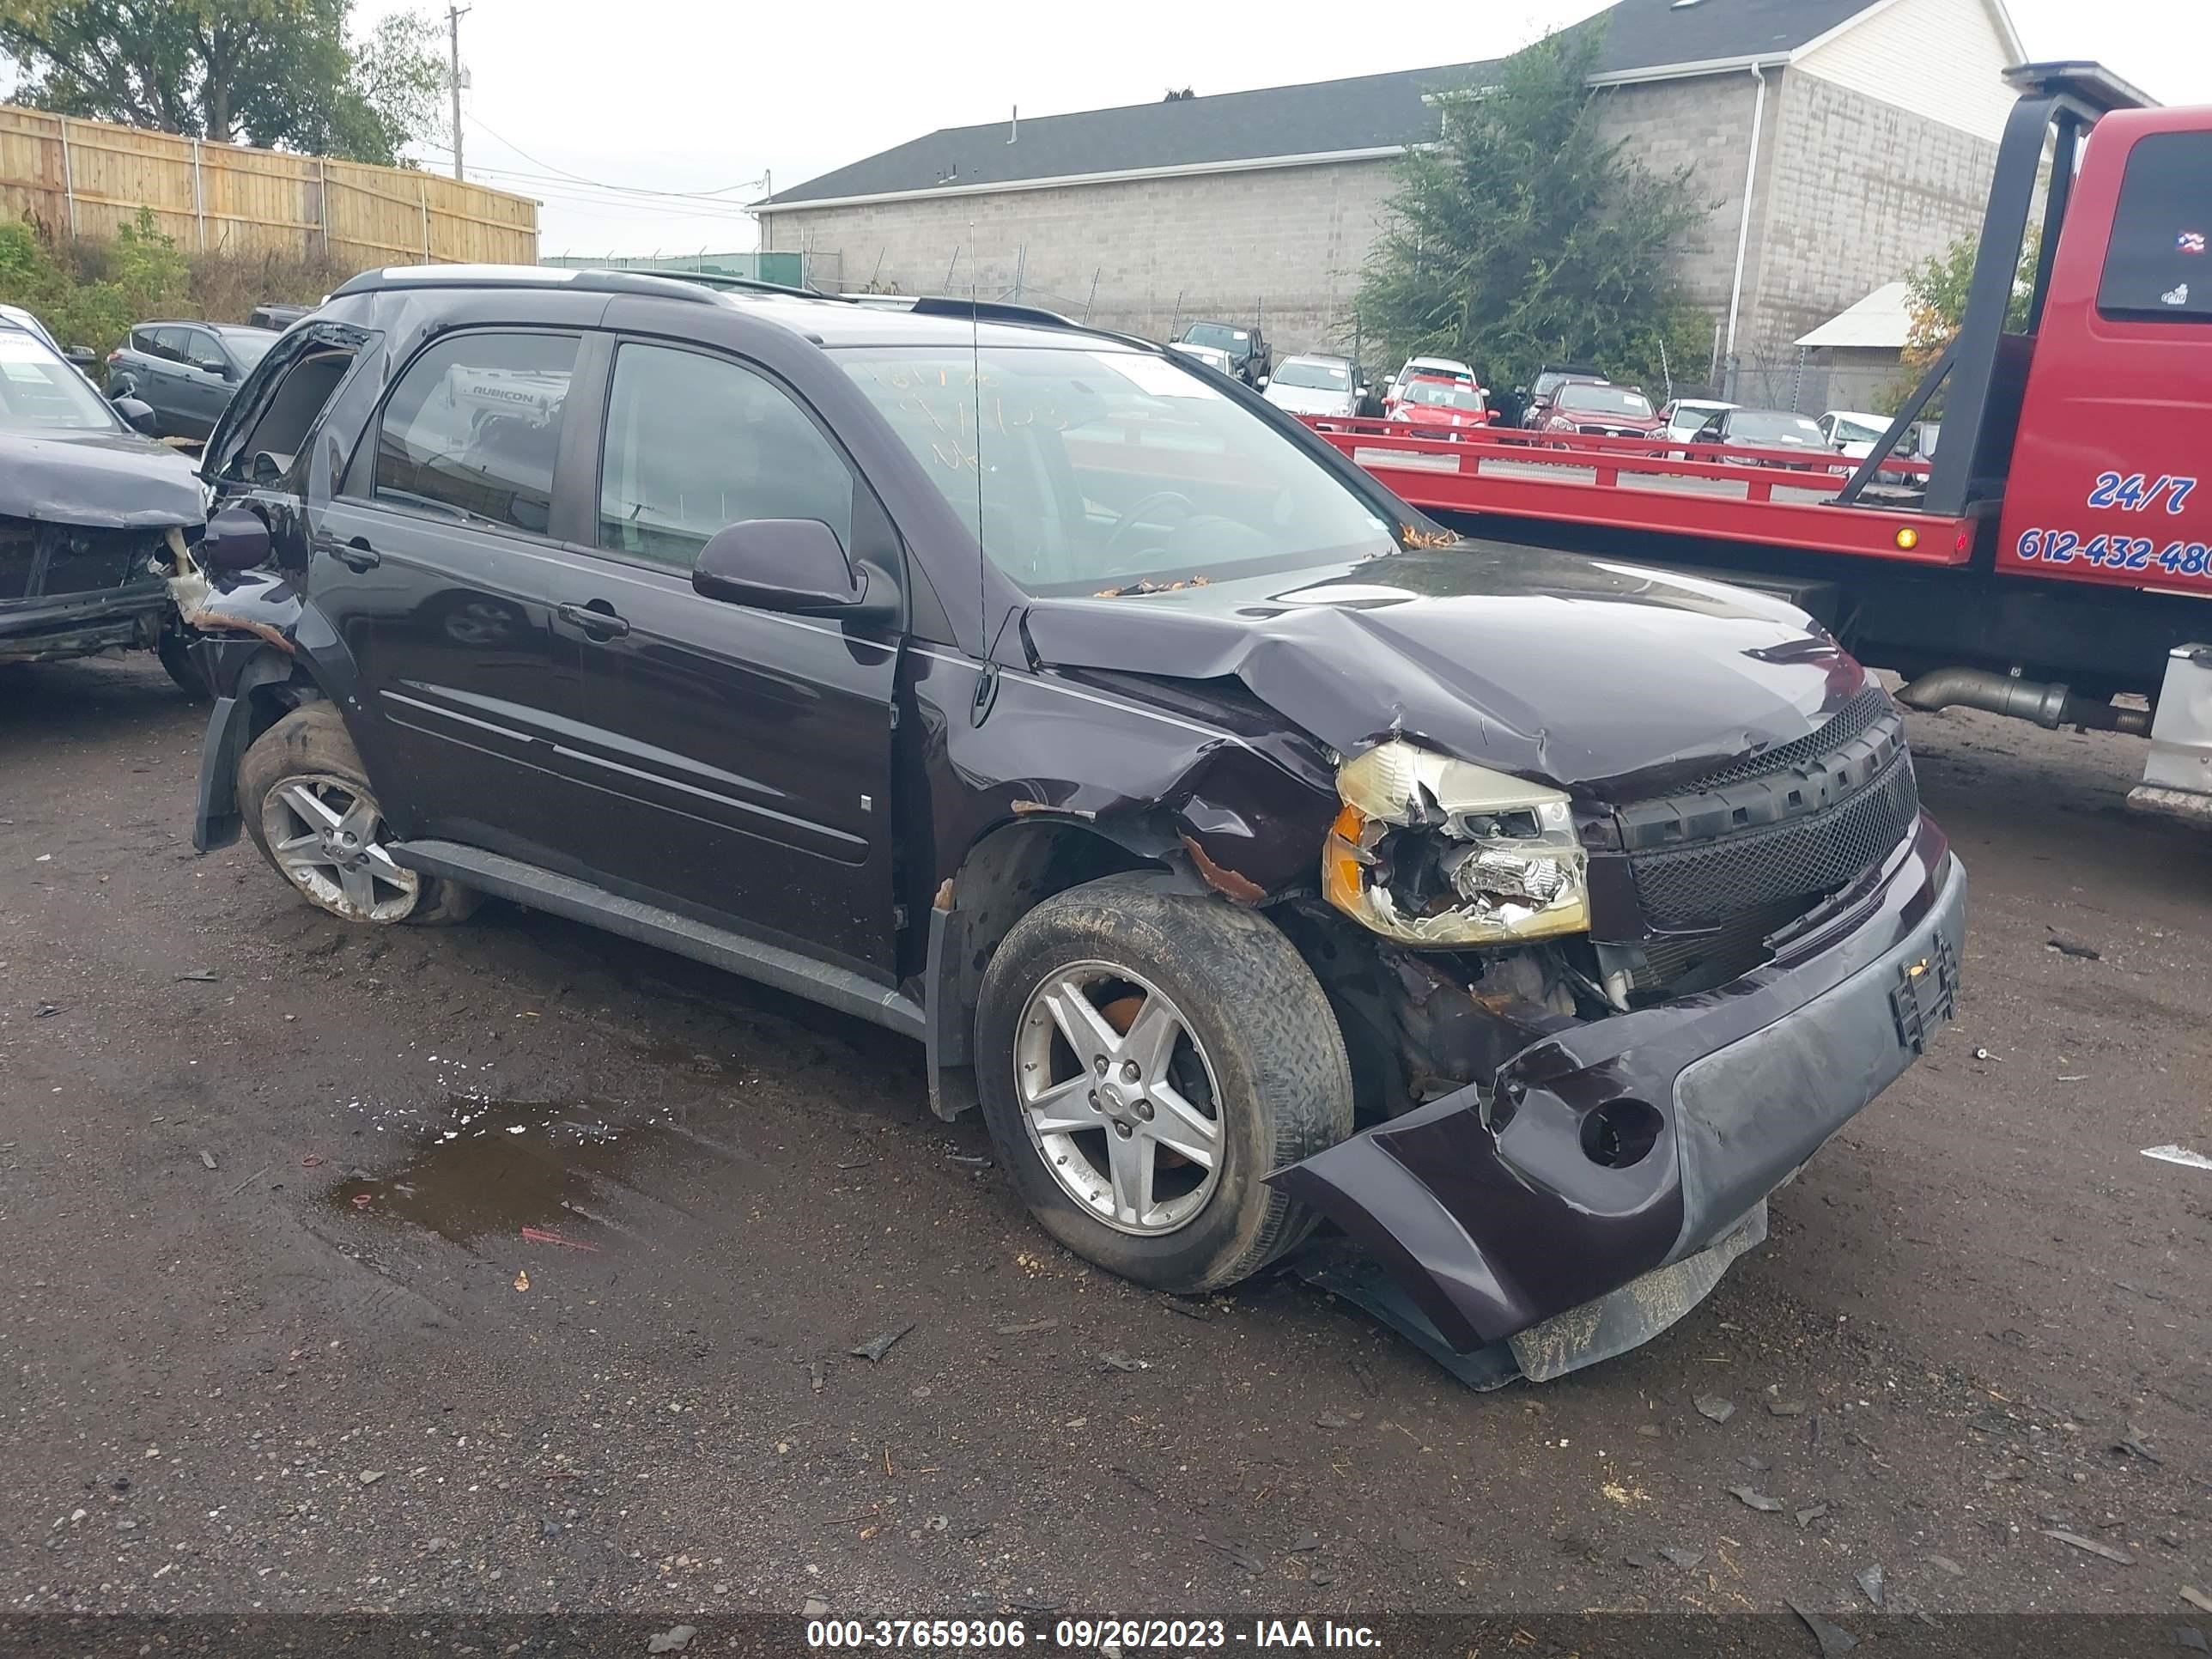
(48, 627)
(1490, 1227)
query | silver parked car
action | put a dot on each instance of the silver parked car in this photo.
(1315, 385)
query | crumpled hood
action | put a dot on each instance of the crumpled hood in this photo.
(105, 480)
(1611, 679)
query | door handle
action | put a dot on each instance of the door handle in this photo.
(356, 554)
(597, 619)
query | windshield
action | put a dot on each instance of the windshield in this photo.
(1850, 432)
(1319, 376)
(1760, 426)
(1442, 394)
(1235, 341)
(1610, 399)
(38, 389)
(248, 345)
(1080, 470)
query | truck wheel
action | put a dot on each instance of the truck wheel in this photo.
(1146, 1059)
(308, 807)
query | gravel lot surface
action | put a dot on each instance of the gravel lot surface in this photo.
(275, 1336)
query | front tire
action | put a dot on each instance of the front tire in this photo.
(308, 807)
(1146, 1058)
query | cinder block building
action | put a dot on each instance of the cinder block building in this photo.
(1840, 143)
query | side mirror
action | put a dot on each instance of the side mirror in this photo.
(213, 366)
(236, 539)
(137, 413)
(83, 356)
(1259, 385)
(778, 564)
(264, 469)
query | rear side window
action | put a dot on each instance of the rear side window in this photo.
(696, 444)
(474, 427)
(2157, 267)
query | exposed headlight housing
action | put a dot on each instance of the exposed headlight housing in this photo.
(1430, 850)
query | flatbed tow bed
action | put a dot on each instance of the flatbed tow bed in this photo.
(2056, 552)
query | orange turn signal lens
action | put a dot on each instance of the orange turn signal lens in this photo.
(1908, 538)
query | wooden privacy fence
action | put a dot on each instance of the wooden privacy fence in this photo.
(87, 177)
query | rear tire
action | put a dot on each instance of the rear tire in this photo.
(302, 793)
(1198, 1005)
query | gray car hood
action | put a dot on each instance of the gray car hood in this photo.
(104, 480)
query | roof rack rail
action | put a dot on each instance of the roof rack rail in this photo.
(718, 279)
(994, 311)
(388, 277)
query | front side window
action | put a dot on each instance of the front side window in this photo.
(696, 444)
(474, 427)
(2158, 267)
(1083, 469)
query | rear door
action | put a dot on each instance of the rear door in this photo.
(440, 563)
(200, 393)
(160, 380)
(745, 755)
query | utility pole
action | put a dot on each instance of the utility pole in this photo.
(453, 15)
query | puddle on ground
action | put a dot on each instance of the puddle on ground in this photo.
(494, 1167)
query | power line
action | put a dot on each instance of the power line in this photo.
(595, 184)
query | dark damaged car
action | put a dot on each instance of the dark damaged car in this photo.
(96, 522)
(1254, 854)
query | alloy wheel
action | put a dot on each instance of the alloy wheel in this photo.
(1118, 1098)
(326, 835)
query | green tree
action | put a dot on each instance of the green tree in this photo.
(284, 73)
(1935, 303)
(1526, 236)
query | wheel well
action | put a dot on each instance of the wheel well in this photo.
(1005, 875)
(270, 700)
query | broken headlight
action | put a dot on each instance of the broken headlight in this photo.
(1429, 850)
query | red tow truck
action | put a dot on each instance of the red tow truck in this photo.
(2056, 552)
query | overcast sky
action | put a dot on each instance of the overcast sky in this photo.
(569, 97)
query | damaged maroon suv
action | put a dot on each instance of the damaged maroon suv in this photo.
(1253, 852)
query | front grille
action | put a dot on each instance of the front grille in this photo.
(1679, 964)
(39, 560)
(1853, 718)
(1703, 883)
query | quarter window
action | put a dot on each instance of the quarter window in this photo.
(474, 428)
(696, 444)
(2159, 266)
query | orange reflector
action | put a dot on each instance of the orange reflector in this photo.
(1908, 538)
